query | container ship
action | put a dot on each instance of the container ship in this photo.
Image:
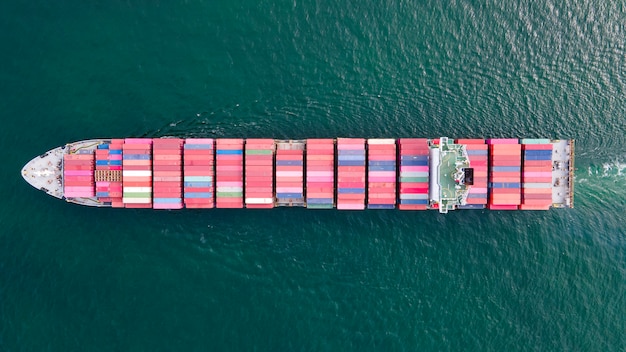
(340, 173)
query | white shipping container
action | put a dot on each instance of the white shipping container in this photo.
(537, 185)
(137, 189)
(230, 189)
(141, 173)
(381, 141)
(259, 200)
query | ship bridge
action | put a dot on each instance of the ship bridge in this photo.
(452, 165)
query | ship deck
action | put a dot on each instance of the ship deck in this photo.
(45, 172)
(563, 174)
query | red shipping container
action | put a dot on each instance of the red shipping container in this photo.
(470, 141)
(386, 201)
(289, 152)
(221, 163)
(537, 146)
(502, 207)
(138, 206)
(534, 207)
(503, 163)
(229, 179)
(228, 205)
(412, 207)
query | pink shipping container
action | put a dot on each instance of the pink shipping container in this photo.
(503, 141)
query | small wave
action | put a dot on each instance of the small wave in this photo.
(614, 169)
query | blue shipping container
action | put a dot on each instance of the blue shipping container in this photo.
(137, 156)
(381, 206)
(199, 195)
(505, 168)
(320, 200)
(505, 185)
(198, 184)
(167, 200)
(350, 163)
(199, 146)
(413, 157)
(288, 162)
(350, 152)
(351, 157)
(229, 152)
(472, 206)
(288, 195)
(414, 201)
(414, 162)
(382, 168)
(381, 163)
(350, 190)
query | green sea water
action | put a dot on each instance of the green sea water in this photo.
(81, 279)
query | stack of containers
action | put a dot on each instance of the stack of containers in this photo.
(289, 173)
(78, 179)
(505, 173)
(229, 173)
(320, 173)
(198, 172)
(477, 154)
(109, 164)
(350, 173)
(537, 174)
(102, 167)
(167, 173)
(414, 174)
(381, 177)
(137, 173)
(259, 173)
(115, 187)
